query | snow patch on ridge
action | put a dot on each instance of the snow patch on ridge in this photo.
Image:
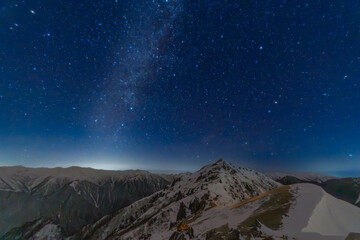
(358, 200)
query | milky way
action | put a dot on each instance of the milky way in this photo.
(141, 53)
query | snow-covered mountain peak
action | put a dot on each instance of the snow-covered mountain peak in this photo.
(232, 183)
(224, 182)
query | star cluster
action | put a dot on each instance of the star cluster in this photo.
(272, 84)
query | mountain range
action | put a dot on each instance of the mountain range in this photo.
(72, 197)
(219, 201)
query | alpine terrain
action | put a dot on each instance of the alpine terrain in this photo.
(220, 201)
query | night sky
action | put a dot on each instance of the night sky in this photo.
(175, 84)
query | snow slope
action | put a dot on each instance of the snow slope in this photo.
(333, 217)
(316, 215)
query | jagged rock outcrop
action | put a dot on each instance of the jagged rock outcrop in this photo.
(181, 213)
(39, 229)
(223, 233)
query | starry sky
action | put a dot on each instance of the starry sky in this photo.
(172, 85)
